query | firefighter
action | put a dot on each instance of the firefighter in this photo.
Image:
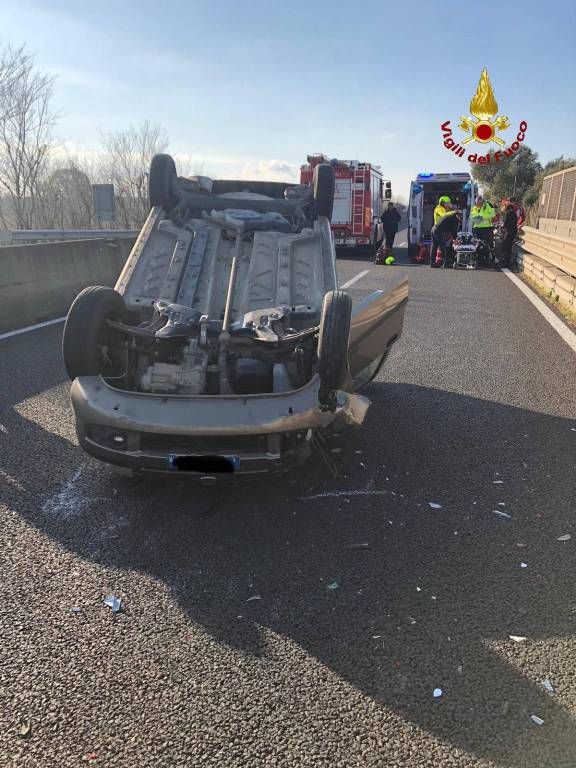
(441, 210)
(442, 233)
(509, 231)
(483, 215)
(390, 219)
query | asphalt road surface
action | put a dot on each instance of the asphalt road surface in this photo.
(308, 621)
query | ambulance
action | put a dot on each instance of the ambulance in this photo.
(424, 193)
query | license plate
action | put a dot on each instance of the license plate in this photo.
(205, 464)
(466, 248)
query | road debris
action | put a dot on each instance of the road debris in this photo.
(375, 637)
(434, 505)
(114, 603)
(517, 638)
(336, 450)
(523, 565)
(520, 545)
(254, 597)
(361, 545)
(333, 585)
(501, 514)
(418, 589)
(497, 482)
(536, 719)
(548, 685)
(25, 728)
(76, 609)
(337, 494)
(565, 537)
(437, 693)
(505, 708)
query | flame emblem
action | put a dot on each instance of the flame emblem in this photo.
(484, 107)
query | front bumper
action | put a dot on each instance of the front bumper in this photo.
(266, 434)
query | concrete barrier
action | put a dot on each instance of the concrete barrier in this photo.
(39, 282)
(540, 256)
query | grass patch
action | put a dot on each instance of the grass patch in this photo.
(568, 313)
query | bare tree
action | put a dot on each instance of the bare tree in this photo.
(64, 197)
(25, 132)
(126, 158)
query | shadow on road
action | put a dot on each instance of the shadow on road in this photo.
(375, 630)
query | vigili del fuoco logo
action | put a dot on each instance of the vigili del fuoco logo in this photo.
(483, 127)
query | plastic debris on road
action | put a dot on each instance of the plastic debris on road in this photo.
(501, 514)
(517, 638)
(437, 693)
(333, 585)
(536, 719)
(336, 450)
(548, 685)
(254, 597)
(497, 482)
(418, 589)
(523, 565)
(25, 729)
(114, 603)
(434, 505)
(75, 609)
(565, 537)
(361, 545)
(520, 545)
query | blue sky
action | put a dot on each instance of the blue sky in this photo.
(251, 87)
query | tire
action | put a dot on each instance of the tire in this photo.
(323, 185)
(160, 182)
(85, 330)
(333, 343)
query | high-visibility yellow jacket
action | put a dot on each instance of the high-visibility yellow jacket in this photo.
(483, 216)
(440, 212)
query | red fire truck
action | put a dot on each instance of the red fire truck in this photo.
(358, 200)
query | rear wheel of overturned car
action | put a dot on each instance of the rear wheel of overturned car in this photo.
(333, 344)
(324, 184)
(161, 179)
(87, 344)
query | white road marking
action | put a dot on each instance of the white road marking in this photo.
(560, 327)
(352, 280)
(31, 328)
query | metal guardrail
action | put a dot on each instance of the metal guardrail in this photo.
(26, 235)
(558, 251)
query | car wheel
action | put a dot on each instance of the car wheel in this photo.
(85, 332)
(323, 185)
(333, 343)
(160, 182)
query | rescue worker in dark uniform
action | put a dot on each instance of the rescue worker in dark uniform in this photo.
(390, 219)
(509, 231)
(446, 229)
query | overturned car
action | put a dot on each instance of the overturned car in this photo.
(225, 349)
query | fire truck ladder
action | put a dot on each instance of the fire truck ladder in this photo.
(358, 200)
